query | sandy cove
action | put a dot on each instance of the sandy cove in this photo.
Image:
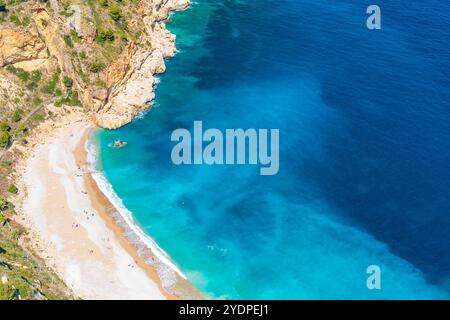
(83, 250)
(73, 227)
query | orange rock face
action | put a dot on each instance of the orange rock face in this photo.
(130, 78)
(117, 71)
(17, 46)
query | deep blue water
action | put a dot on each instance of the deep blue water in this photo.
(364, 119)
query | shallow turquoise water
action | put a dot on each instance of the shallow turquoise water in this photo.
(364, 135)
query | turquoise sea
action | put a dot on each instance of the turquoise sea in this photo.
(364, 119)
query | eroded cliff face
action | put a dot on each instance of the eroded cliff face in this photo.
(20, 45)
(50, 31)
(130, 79)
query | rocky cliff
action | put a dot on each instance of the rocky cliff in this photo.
(17, 45)
(129, 79)
(124, 87)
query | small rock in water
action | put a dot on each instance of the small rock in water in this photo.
(119, 144)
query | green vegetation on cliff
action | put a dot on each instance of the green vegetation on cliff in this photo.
(22, 274)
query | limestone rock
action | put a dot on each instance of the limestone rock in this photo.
(50, 31)
(119, 69)
(130, 79)
(133, 97)
(81, 22)
(17, 46)
(9, 92)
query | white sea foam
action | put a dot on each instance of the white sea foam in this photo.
(137, 233)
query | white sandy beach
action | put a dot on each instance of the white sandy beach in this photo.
(74, 237)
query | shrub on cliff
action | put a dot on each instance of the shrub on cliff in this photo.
(37, 101)
(15, 19)
(104, 36)
(5, 139)
(84, 77)
(68, 83)
(3, 203)
(50, 87)
(6, 292)
(19, 72)
(25, 21)
(68, 41)
(96, 67)
(72, 99)
(3, 219)
(12, 188)
(22, 127)
(36, 76)
(75, 37)
(115, 13)
(67, 12)
(83, 55)
(23, 75)
(10, 68)
(17, 115)
(4, 126)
